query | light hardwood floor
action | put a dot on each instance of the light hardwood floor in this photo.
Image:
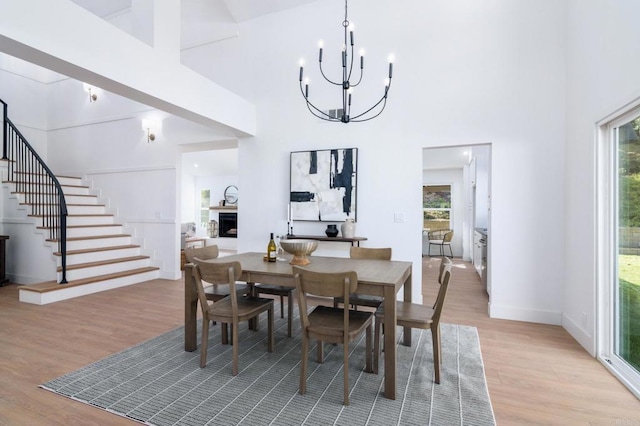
(537, 374)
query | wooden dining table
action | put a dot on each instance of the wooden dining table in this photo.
(375, 277)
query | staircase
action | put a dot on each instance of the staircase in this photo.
(100, 256)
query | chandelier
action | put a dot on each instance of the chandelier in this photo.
(344, 115)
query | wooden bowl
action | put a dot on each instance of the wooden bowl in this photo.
(300, 249)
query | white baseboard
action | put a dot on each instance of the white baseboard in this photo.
(587, 341)
(528, 315)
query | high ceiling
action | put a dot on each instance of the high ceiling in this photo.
(202, 21)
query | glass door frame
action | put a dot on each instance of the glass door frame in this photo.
(607, 245)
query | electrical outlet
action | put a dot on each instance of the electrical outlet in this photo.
(398, 217)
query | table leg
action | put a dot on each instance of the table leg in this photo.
(389, 343)
(407, 298)
(190, 311)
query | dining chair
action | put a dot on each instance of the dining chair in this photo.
(230, 310)
(279, 290)
(365, 253)
(329, 324)
(417, 316)
(213, 292)
(441, 238)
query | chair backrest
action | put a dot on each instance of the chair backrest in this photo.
(204, 253)
(444, 262)
(216, 273)
(442, 293)
(370, 253)
(447, 237)
(326, 284)
(438, 234)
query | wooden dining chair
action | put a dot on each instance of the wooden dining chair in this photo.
(230, 310)
(213, 292)
(279, 290)
(328, 324)
(365, 253)
(417, 316)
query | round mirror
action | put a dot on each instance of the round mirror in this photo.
(231, 194)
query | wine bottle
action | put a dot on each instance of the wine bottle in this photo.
(272, 252)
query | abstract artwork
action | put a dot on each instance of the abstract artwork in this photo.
(323, 184)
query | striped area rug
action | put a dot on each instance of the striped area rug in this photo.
(158, 383)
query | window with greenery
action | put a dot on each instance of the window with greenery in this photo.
(205, 203)
(436, 206)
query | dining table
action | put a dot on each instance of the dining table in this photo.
(382, 278)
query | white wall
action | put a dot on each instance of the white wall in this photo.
(604, 69)
(466, 72)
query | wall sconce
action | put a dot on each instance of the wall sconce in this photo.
(151, 127)
(92, 90)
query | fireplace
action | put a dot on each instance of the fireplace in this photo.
(228, 225)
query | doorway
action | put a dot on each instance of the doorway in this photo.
(466, 170)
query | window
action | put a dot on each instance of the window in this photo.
(205, 203)
(436, 205)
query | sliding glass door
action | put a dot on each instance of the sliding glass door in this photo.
(627, 286)
(620, 290)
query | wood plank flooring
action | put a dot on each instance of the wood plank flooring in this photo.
(537, 374)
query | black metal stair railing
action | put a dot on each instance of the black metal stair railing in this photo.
(41, 189)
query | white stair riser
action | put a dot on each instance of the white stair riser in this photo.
(53, 199)
(97, 256)
(78, 274)
(89, 231)
(75, 190)
(65, 180)
(69, 293)
(89, 220)
(98, 243)
(86, 209)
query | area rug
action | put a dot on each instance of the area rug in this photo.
(158, 383)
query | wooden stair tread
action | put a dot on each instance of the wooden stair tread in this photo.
(91, 250)
(103, 262)
(70, 195)
(92, 237)
(84, 226)
(48, 286)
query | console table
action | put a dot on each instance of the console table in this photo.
(354, 240)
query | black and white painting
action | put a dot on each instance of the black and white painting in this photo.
(323, 184)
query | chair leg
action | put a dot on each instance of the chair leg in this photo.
(224, 333)
(368, 366)
(270, 329)
(345, 360)
(303, 364)
(281, 306)
(204, 342)
(320, 353)
(290, 316)
(234, 339)
(335, 303)
(435, 336)
(376, 346)
(450, 250)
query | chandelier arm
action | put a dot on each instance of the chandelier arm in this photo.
(359, 80)
(355, 119)
(310, 106)
(325, 77)
(383, 98)
(326, 116)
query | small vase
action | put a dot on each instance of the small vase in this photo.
(331, 231)
(348, 228)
